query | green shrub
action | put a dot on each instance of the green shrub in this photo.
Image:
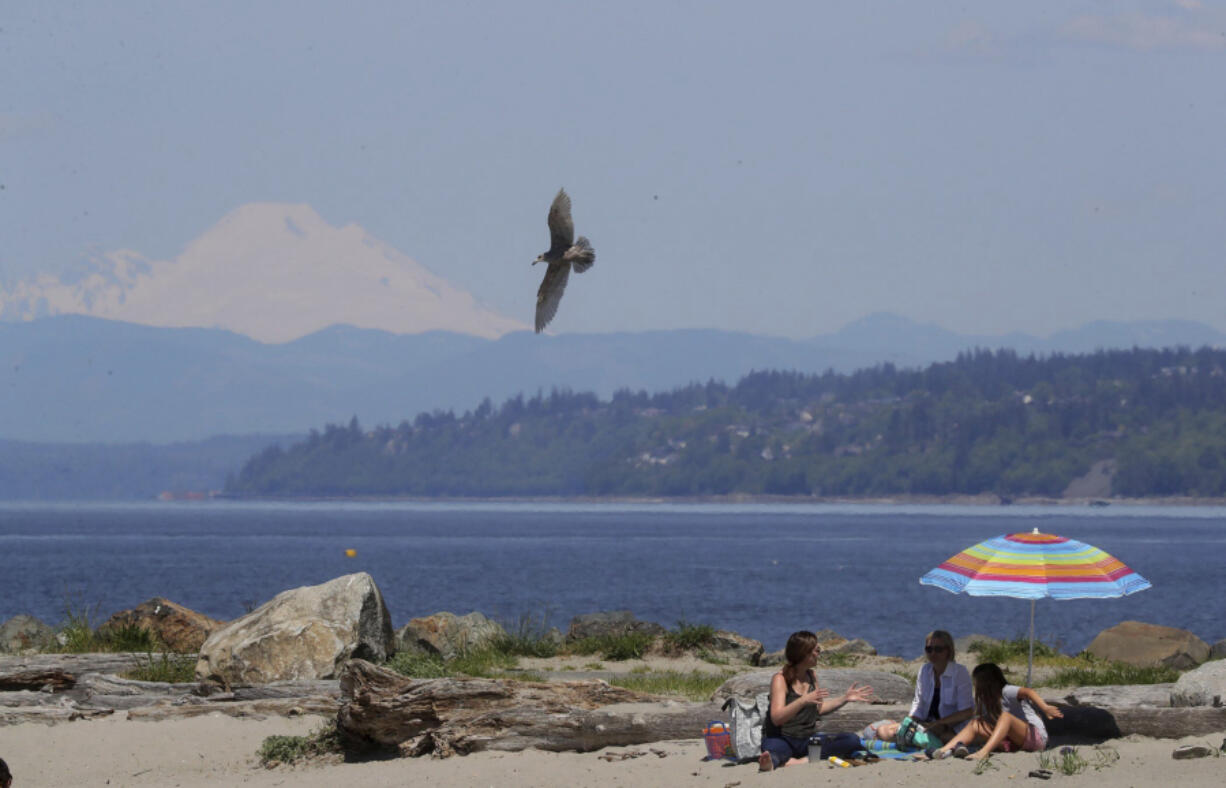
(689, 637)
(631, 645)
(129, 637)
(291, 749)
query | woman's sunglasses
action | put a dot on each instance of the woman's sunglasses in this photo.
(934, 649)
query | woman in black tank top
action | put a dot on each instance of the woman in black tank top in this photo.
(797, 703)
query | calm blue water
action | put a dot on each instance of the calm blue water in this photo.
(761, 570)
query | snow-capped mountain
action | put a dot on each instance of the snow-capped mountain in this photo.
(271, 271)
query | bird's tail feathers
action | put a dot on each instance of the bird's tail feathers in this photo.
(584, 255)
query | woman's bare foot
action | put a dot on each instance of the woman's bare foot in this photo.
(765, 764)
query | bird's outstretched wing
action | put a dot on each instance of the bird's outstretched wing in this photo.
(550, 294)
(561, 228)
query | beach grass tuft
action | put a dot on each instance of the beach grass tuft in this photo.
(530, 636)
(1096, 673)
(1012, 650)
(1066, 760)
(75, 634)
(170, 668)
(695, 685)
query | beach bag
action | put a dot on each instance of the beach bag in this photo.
(718, 737)
(745, 724)
(912, 736)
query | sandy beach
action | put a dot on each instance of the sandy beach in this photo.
(217, 750)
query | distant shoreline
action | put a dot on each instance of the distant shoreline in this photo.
(885, 500)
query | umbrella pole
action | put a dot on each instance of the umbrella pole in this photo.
(1030, 657)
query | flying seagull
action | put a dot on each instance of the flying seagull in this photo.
(565, 252)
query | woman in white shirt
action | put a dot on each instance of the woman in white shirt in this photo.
(943, 698)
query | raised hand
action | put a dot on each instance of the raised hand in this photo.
(855, 692)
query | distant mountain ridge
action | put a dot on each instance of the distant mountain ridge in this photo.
(76, 379)
(270, 271)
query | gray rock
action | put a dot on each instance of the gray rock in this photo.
(1218, 650)
(612, 623)
(856, 646)
(1204, 686)
(1145, 645)
(734, 647)
(175, 627)
(23, 633)
(449, 635)
(303, 633)
(889, 688)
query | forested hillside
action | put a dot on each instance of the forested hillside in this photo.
(986, 422)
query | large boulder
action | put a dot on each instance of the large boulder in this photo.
(734, 648)
(23, 633)
(449, 635)
(1218, 650)
(887, 687)
(1205, 686)
(857, 646)
(610, 624)
(303, 633)
(1146, 645)
(176, 627)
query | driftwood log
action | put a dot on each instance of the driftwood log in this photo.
(49, 715)
(447, 716)
(52, 688)
(72, 664)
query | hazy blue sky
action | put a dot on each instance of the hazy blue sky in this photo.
(781, 169)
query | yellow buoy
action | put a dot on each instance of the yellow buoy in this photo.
(351, 553)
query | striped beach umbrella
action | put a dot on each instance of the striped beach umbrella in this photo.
(1035, 566)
